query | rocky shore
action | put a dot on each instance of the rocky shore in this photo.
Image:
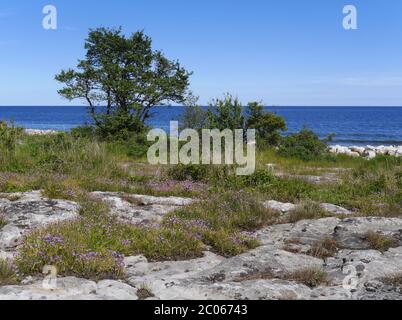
(368, 152)
(37, 132)
(354, 268)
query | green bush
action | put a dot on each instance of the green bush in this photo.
(188, 172)
(304, 145)
(226, 113)
(83, 132)
(267, 124)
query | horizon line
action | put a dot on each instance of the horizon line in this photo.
(270, 106)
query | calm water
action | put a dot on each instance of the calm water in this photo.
(351, 125)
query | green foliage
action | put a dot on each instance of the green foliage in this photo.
(229, 113)
(267, 124)
(304, 145)
(194, 117)
(83, 132)
(189, 172)
(119, 126)
(126, 76)
(226, 114)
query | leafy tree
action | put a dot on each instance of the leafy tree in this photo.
(194, 116)
(268, 125)
(126, 77)
(226, 113)
(229, 113)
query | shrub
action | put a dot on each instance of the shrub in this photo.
(8, 276)
(194, 117)
(304, 145)
(226, 114)
(267, 124)
(83, 132)
(188, 172)
(118, 126)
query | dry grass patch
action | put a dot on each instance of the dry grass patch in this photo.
(3, 220)
(310, 277)
(8, 275)
(144, 292)
(324, 248)
(394, 280)
(306, 211)
(264, 275)
(379, 242)
(10, 197)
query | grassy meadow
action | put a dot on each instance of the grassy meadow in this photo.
(229, 210)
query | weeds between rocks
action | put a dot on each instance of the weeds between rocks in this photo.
(144, 292)
(94, 245)
(379, 242)
(3, 220)
(393, 280)
(325, 248)
(224, 222)
(306, 211)
(309, 277)
(8, 275)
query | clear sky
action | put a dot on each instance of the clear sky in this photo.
(283, 52)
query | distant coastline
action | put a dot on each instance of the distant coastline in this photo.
(352, 126)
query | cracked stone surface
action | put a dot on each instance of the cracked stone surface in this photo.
(138, 209)
(28, 211)
(71, 288)
(354, 271)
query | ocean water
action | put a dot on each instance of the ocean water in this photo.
(351, 125)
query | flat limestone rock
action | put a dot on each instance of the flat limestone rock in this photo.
(257, 274)
(138, 209)
(337, 210)
(70, 288)
(30, 210)
(279, 206)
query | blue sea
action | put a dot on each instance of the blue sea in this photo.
(351, 125)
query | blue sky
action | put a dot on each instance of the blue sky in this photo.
(283, 52)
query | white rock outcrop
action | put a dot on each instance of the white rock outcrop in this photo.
(368, 152)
